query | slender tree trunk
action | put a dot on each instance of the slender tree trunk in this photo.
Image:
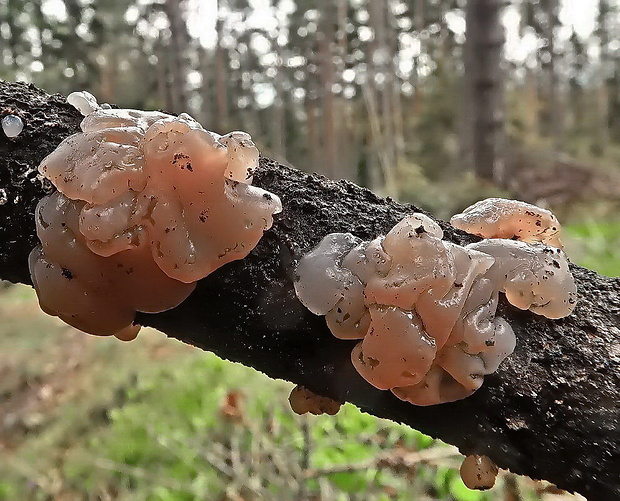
(553, 110)
(108, 74)
(206, 102)
(312, 133)
(221, 77)
(379, 98)
(278, 136)
(179, 45)
(603, 94)
(484, 76)
(531, 106)
(327, 38)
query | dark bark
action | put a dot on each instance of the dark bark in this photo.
(551, 411)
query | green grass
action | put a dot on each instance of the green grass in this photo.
(595, 245)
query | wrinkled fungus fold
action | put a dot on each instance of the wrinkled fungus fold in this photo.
(148, 192)
(510, 219)
(424, 309)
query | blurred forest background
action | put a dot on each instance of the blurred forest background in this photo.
(408, 97)
(438, 103)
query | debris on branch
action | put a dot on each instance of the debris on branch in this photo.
(551, 411)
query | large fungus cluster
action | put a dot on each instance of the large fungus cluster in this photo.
(424, 308)
(147, 204)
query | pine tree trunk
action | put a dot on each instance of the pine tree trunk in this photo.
(179, 43)
(221, 77)
(484, 76)
(326, 39)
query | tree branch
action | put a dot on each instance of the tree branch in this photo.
(551, 411)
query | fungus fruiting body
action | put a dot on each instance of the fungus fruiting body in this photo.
(12, 125)
(424, 308)
(478, 472)
(303, 401)
(510, 219)
(147, 204)
(83, 101)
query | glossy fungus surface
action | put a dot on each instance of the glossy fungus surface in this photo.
(145, 191)
(424, 309)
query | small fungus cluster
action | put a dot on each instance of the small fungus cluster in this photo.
(424, 308)
(304, 401)
(147, 204)
(478, 472)
(511, 219)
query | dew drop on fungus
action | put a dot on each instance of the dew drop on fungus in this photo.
(12, 125)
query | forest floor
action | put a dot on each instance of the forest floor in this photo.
(83, 417)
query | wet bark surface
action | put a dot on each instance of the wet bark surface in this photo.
(551, 411)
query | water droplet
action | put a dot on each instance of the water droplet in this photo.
(3, 196)
(12, 125)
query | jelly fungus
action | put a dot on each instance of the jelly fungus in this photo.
(304, 401)
(478, 472)
(83, 101)
(147, 204)
(424, 309)
(510, 219)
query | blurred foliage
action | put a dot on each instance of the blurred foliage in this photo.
(595, 245)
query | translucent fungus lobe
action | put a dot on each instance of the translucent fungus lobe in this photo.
(509, 219)
(148, 204)
(425, 309)
(83, 101)
(99, 295)
(478, 472)
(303, 401)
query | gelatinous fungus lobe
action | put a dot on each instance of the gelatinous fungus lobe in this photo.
(98, 295)
(304, 401)
(148, 204)
(206, 213)
(509, 219)
(424, 308)
(478, 472)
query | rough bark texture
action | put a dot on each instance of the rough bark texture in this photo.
(551, 411)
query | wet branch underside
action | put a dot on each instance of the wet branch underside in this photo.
(551, 411)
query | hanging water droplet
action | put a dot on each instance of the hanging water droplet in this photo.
(12, 125)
